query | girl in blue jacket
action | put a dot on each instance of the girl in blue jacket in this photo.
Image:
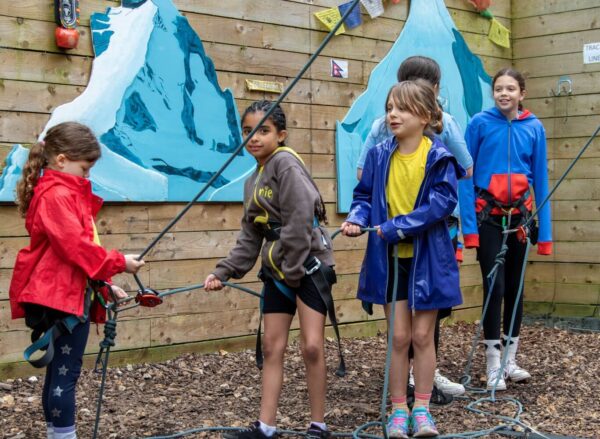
(508, 146)
(407, 190)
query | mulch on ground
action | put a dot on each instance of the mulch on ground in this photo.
(224, 389)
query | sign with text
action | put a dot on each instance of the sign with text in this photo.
(591, 53)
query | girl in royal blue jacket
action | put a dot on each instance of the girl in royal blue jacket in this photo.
(508, 146)
(407, 190)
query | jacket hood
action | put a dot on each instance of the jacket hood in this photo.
(497, 114)
(50, 179)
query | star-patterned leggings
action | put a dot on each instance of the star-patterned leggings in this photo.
(58, 397)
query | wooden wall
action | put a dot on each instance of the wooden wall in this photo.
(267, 39)
(548, 43)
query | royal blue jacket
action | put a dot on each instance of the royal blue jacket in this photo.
(501, 148)
(433, 278)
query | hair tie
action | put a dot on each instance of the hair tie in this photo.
(42, 143)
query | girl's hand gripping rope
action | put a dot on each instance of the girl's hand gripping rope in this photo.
(133, 263)
(350, 229)
(212, 283)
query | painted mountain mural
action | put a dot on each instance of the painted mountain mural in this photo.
(465, 88)
(154, 102)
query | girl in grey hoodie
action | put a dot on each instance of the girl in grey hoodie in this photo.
(283, 210)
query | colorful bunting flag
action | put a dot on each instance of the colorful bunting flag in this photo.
(499, 34)
(373, 7)
(330, 17)
(354, 19)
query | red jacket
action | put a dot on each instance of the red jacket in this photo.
(53, 270)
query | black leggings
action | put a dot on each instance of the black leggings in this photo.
(507, 280)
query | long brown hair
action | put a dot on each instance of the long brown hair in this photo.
(418, 98)
(74, 140)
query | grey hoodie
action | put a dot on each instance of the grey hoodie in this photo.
(284, 192)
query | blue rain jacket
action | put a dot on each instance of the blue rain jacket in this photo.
(433, 279)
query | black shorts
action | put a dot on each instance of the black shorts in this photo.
(403, 275)
(275, 301)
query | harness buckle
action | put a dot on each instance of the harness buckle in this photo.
(148, 298)
(312, 266)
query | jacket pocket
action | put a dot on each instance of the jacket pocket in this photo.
(272, 258)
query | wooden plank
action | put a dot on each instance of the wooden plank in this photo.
(568, 148)
(131, 334)
(571, 42)
(152, 218)
(586, 252)
(588, 189)
(26, 34)
(576, 210)
(179, 245)
(553, 65)
(578, 231)
(163, 353)
(544, 7)
(264, 61)
(36, 97)
(573, 126)
(33, 9)
(583, 83)
(565, 106)
(584, 168)
(563, 22)
(500, 9)
(44, 67)
(269, 36)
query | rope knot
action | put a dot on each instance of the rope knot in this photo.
(110, 332)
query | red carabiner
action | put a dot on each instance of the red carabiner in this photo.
(148, 298)
(522, 234)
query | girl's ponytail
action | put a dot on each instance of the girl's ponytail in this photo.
(31, 172)
(436, 123)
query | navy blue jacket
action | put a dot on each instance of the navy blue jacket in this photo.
(433, 279)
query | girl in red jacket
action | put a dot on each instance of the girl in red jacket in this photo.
(50, 278)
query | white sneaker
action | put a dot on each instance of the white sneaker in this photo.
(516, 373)
(447, 386)
(492, 376)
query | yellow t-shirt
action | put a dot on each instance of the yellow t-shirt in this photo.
(407, 172)
(96, 237)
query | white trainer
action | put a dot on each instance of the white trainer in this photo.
(516, 373)
(492, 376)
(446, 385)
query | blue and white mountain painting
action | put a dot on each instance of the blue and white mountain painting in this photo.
(465, 88)
(155, 103)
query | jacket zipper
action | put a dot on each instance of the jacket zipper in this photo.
(416, 240)
(387, 259)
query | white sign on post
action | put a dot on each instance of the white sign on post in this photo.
(591, 53)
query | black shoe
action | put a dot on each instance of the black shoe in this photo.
(251, 432)
(440, 398)
(410, 396)
(315, 432)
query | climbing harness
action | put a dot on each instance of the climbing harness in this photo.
(48, 324)
(314, 270)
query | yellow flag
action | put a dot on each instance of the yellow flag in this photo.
(499, 34)
(330, 17)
